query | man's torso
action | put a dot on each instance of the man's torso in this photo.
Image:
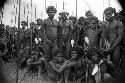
(51, 29)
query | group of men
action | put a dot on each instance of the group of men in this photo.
(66, 43)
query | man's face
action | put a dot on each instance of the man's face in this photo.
(7, 27)
(92, 24)
(59, 57)
(23, 25)
(89, 14)
(39, 22)
(32, 25)
(64, 17)
(51, 15)
(108, 15)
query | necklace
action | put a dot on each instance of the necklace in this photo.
(90, 31)
(64, 28)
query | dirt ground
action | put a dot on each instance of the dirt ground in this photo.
(9, 70)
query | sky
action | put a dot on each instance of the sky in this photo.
(97, 6)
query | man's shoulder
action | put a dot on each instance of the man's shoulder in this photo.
(118, 23)
(69, 21)
(55, 21)
(103, 23)
(45, 20)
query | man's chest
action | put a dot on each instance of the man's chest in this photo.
(64, 24)
(112, 27)
(92, 33)
(51, 23)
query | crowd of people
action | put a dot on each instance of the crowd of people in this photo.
(71, 49)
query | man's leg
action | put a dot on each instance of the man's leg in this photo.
(39, 70)
(67, 48)
(116, 56)
(107, 78)
(115, 71)
(52, 76)
(123, 62)
(66, 75)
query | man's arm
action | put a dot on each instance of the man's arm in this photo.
(120, 33)
(60, 69)
(42, 33)
(42, 28)
(102, 35)
(43, 25)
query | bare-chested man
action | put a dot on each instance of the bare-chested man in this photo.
(57, 67)
(93, 32)
(80, 25)
(89, 13)
(112, 34)
(49, 30)
(111, 38)
(3, 46)
(22, 34)
(64, 31)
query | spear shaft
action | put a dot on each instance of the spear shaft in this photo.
(18, 41)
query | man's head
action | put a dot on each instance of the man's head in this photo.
(39, 21)
(64, 15)
(51, 11)
(2, 30)
(109, 13)
(32, 25)
(24, 24)
(81, 20)
(92, 22)
(88, 13)
(7, 27)
(72, 18)
(59, 55)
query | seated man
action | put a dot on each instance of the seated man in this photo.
(31, 64)
(57, 66)
(77, 69)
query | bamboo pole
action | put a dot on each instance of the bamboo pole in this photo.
(103, 10)
(76, 9)
(35, 11)
(18, 41)
(31, 27)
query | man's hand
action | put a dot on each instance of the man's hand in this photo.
(69, 63)
(66, 62)
(106, 52)
(29, 61)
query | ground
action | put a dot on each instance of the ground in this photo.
(9, 70)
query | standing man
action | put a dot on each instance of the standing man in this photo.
(64, 30)
(48, 31)
(22, 35)
(38, 24)
(111, 38)
(112, 34)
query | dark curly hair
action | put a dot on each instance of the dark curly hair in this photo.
(51, 8)
(92, 18)
(113, 10)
